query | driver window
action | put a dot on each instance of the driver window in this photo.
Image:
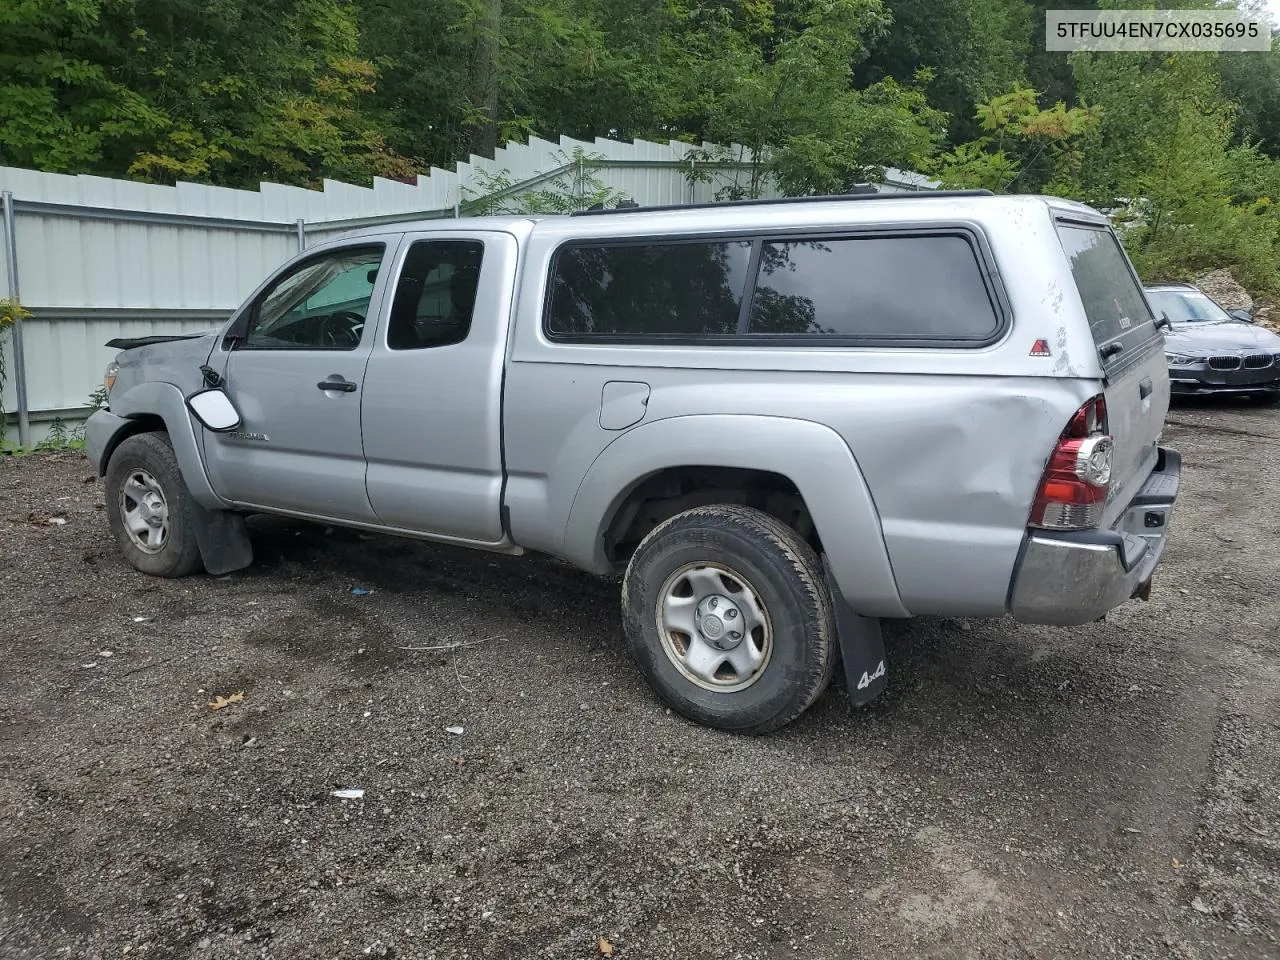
(320, 305)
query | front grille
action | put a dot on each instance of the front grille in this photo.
(1224, 363)
(1257, 361)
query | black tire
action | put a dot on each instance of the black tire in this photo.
(787, 580)
(178, 553)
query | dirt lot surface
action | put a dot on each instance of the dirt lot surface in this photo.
(1112, 790)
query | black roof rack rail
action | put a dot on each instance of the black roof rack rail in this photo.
(907, 195)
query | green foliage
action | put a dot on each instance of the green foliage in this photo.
(783, 87)
(61, 107)
(1165, 153)
(1252, 82)
(1021, 146)
(10, 311)
(59, 438)
(229, 91)
(574, 188)
(973, 50)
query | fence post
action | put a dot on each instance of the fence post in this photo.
(19, 361)
(302, 234)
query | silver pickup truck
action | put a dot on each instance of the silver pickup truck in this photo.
(780, 421)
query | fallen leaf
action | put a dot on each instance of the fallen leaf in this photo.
(218, 702)
(604, 946)
(1177, 864)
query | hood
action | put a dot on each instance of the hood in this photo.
(175, 360)
(1233, 336)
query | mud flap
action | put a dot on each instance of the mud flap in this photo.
(223, 539)
(861, 646)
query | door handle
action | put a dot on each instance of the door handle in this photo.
(337, 383)
(1145, 388)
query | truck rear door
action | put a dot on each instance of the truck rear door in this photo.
(1130, 349)
(431, 412)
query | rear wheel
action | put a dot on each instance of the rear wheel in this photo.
(149, 508)
(726, 612)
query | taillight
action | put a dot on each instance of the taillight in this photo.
(1074, 487)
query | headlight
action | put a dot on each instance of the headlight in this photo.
(1182, 359)
(109, 378)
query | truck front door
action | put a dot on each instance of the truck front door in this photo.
(297, 378)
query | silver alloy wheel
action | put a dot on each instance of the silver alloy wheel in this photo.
(145, 511)
(714, 627)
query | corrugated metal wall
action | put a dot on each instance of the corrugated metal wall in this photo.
(100, 258)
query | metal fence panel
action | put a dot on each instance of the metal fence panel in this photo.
(66, 356)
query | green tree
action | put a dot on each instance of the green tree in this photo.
(1252, 82)
(1050, 72)
(974, 49)
(271, 89)
(792, 103)
(458, 76)
(60, 108)
(1164, 151)
(1022, 147)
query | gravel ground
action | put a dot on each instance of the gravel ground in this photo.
(1112, 790)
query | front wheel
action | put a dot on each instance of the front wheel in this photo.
(726, 612)
(149, 508)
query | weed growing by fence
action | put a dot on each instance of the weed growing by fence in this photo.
(10, 312)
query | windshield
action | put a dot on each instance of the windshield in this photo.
(1186, 306)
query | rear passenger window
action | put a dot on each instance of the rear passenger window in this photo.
(662, 289)
(883, 288)
(436, 294)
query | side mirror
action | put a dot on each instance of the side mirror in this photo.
(1165, 322)
(1240, 314)
(214, 410)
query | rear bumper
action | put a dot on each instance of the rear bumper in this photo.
(1070, 578)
